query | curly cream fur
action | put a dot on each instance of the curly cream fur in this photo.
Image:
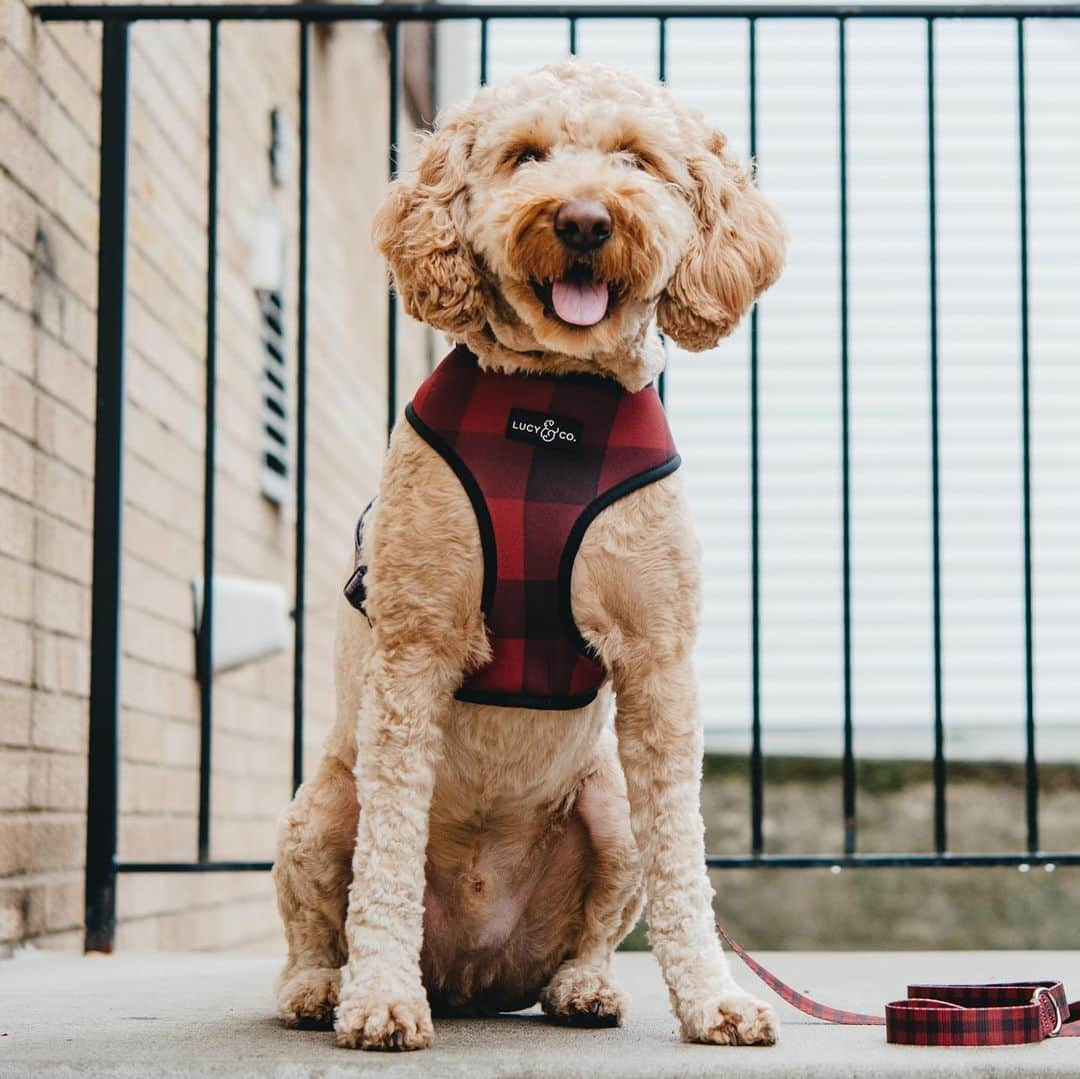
(694, 242)
(449, 856)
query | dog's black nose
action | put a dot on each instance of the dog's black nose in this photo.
(583, 224)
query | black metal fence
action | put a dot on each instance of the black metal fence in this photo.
(102, 865)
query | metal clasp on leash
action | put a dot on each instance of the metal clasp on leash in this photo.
(1057, 1011)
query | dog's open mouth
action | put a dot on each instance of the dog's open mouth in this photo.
(578, 298)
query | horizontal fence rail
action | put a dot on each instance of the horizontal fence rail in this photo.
(102, 865)
(422, 12)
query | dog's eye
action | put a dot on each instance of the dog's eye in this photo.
(530, 153)
(634, 159)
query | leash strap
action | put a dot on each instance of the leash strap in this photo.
(1008, 1013)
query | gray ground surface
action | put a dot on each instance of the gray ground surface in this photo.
(143, 1016)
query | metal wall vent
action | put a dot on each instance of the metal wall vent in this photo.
(276, 458)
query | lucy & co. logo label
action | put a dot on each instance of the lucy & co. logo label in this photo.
(542, 429)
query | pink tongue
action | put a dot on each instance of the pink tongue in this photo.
(580, 305)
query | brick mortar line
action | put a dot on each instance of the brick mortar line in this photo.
(233, 97)
(45, 751)
(224, 772)
(10, 747)
(52, 31)
(192, 721)
(240, 522)
(136, 349)
(148, 254)
(81, 697)
(137, 96)
(135, 143)
(41, 83)
(169, 569)
(244, 735)
(62, 816)
(135, 293)
(231, 94)
(38, 509)
(251, 696)
(284, 706)
(42, 751)
(144, 49)
(88, 587)
(34, 564)
(38, 140)
(36, 446)
(61, 634)
(58, 282)
(30, 877)
(49, 31)
(42, 328)
(29, 254)
(38, 390)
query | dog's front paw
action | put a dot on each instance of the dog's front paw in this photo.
(307, 997)
(582, 997)
(728, 1018)
(369, 1019)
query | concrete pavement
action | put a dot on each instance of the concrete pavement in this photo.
(145, 1016)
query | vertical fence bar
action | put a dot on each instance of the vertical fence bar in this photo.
(206, 626)
(940, 834)
(661, 74)
(484, 51)
(757, 801)
(392, 169)
(850, 825)
(299, 588)
(573, 36)
(1032, 767)
(103, 751)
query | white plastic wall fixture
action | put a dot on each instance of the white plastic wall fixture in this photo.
(252, 620)
(267, 267)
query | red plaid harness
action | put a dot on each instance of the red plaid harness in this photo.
(539, 457)
(1006, 1013)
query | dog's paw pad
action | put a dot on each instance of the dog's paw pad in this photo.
(583, 997)
(367, 1021)
(733, 1018)
(307, 998)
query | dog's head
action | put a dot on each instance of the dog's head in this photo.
(556, 215)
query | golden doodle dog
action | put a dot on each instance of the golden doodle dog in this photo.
(516, 762)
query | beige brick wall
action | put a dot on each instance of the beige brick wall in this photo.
(49, 91)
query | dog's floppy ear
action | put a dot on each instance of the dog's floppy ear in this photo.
(736, 253)
(419, 228)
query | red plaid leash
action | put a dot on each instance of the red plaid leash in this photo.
(1010, 1013)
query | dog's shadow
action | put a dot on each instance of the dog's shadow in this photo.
(449, 1029)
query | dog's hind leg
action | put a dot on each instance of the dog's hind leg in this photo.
(582, 992)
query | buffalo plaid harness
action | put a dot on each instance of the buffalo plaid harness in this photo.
(539, 457)
(1007, 1013)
